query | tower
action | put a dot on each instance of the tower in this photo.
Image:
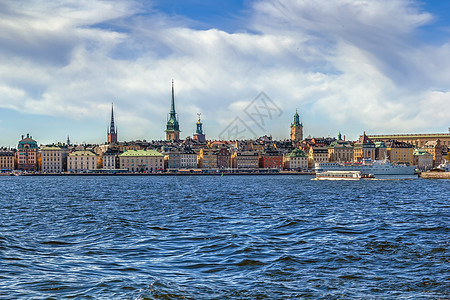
(112, 133)
(296, 129)
(172, 126)
(199, 136)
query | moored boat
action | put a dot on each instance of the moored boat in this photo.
(375, 167)
(342, 175)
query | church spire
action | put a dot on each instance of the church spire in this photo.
(172, 126)
(112, 134)
(172, 103)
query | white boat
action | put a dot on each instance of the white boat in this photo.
(341, 175)
(375, 167)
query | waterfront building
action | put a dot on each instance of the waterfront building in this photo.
(110, 159)
(317, 155)
(223, 158)
(295, 160)
(363, 149)
(172, 126)
(6, 160)
(380, 151)
(142, 161)
(27, 154)
(188, 159)
(245, 160)
(112, 132)
(207, 158)
(418, 140)
(296, 129)
(172, 159)
(340, 150)
(199, 136)
(435, 149)
(54, 158)
(400, 152)
(82, 161)
(422, 159)
(271, 159)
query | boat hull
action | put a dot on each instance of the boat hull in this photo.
(375, 168)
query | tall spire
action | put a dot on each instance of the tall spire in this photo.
(112, 128)
(112, 134)
(172, 103)
(172, 126)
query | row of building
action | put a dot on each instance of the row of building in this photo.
(298, 153)
(263, 153)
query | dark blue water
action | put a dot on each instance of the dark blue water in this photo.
(230, 237)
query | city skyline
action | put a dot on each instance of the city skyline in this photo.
(347, 66)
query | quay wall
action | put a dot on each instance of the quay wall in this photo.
(435, 175)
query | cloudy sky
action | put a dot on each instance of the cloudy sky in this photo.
(380, 66)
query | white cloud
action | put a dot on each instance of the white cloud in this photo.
(351, 65)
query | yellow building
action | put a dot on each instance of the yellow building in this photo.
(54, 159)
(340, 151)
(207, 158)
(6, 160)
(363, 149)
(400, 152)
(142, 161)
(317, 155)
(418, 140)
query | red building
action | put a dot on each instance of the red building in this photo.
(223, 158)
(271, 159)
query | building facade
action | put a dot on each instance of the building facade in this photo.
(418, 140)
(142, 161)
(223, 158)
(363, 149)
(110, 159)
(54, 158)
(423, 159)
(27, 154)
(340, 151)
(245, 159)
(207, 158)
(82, 161)
(271, 159)
(400, 152)
(188, 159)
(6, 160)
(317, 155)
(295, 160)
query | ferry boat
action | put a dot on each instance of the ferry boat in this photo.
(375, 167)
(342, 175)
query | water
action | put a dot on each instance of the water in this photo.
(230, 237)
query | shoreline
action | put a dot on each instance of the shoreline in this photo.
(163, 174)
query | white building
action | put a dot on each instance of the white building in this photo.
(188, 160)
(81, 161)
(295, 160)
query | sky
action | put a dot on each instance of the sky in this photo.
(349, 66)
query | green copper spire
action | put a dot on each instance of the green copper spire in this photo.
(296, 119)
(172, 103)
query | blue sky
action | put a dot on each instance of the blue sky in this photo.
(347, 65)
